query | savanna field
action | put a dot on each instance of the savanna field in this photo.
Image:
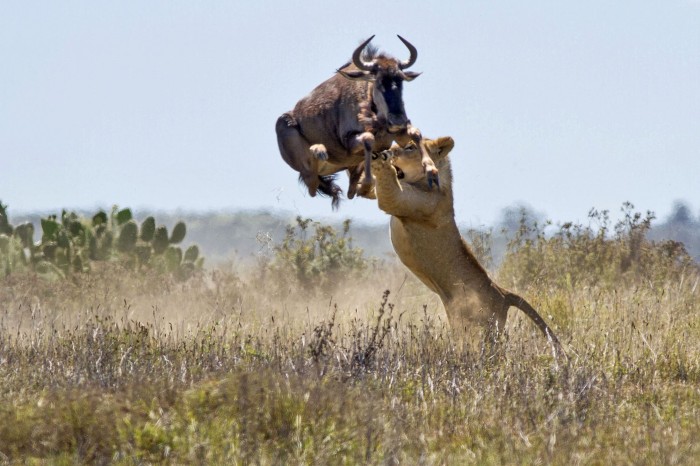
(118, 345)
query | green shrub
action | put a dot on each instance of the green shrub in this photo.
(593, 255)
(73, 244)
(313, 256)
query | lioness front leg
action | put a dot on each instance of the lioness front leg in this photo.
(397, 199)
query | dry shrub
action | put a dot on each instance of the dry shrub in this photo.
(596, 255)
(314, 257)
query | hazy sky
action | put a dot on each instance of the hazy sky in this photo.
(168, 104)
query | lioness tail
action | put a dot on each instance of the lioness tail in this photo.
(514, 300)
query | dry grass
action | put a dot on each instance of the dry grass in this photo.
(113, 368)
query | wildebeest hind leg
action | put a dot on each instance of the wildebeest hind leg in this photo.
(296, 151)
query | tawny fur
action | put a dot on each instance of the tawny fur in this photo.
(426, 239)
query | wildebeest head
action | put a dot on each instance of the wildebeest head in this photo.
(387, 75)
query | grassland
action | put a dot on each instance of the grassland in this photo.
(259, 366)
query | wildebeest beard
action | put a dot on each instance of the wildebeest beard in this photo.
(368, 118)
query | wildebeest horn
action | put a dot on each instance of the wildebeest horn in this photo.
(357, 59)
(414, 54)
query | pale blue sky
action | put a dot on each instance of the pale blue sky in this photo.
(167, 104)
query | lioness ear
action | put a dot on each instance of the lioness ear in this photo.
(445, 145)
(431, 146)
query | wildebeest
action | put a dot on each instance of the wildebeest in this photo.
(342, 121)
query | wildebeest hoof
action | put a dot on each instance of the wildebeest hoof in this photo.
(365, 188)
(319, 151)
(352, 190)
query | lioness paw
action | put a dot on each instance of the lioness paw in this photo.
(381, 160)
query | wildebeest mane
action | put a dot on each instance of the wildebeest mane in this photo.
(370, 52)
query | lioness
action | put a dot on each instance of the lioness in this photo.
(426, 239)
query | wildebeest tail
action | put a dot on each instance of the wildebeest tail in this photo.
(327, 187)
(514, 300)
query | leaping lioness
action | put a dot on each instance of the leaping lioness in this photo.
(426, 239)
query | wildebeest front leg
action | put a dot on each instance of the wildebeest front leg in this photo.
(366, 141)
(355, 177)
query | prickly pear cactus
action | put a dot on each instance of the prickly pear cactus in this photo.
(25, 233)
(128, 236)
(148, 229)
(5, 227)
(100, 218)
(173, 258)
(160, 240)
(122, 216)
(100, 243)
(143, 253)
(71, 244)
(179, 232)
(191, 254)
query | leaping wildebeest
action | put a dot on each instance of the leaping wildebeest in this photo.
(342, 121)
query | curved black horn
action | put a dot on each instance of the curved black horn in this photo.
(357, 59)
(411, 59)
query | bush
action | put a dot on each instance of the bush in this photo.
(578, 255)
(72, 244)
(314, 257)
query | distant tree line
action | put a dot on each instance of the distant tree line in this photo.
(243, 235)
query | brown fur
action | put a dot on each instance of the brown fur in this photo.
(426, 239)
(335, 127)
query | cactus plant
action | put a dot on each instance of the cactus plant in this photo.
(5, 227)
(191, 254)
(4, 243)
(143, 253)
(99, 218)
(173, 258)
(128, 236)
(123, 216)
(69, 246)
(100, 243)
(25, 233)
(49, 228)
(160, 240)
(179, 232)
(148, 229)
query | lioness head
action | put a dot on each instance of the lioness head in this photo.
(407, 160)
